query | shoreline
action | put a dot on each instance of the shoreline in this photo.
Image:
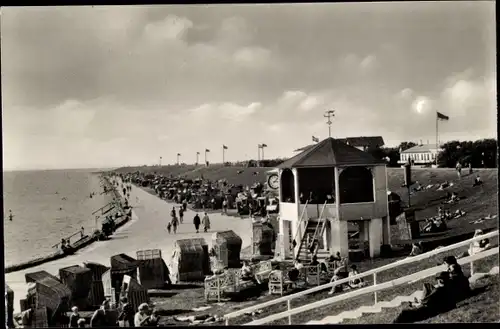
(81, 243)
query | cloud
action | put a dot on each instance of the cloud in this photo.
(170, 28)
(422, 105)
(253, 57)
(368, 62)
(464, 97)
(406, 94)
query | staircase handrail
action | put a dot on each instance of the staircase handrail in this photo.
(301, 219)
(317, 226)
(361, 275)
(408, 279)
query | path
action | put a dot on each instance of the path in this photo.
(147, 230)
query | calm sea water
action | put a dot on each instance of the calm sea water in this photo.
(47, 206)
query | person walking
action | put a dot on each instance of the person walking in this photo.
(175, 223)
(181, 215)
(173, 213)
(196, 222)
(206, 223)
(169, 227)
(459, 169)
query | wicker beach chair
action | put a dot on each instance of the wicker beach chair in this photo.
(279, 283)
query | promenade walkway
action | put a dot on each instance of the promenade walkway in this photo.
(147, 230)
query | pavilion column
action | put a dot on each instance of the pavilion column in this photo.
(339, 236)
(386, 234)
(376, 236)
(364, 229)
(295, 224)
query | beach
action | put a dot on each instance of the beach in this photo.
(146, 230)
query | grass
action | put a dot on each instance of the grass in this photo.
(481, 307)
(483, 265)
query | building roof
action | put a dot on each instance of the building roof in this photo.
(421, 148)
(370, 141)
(330, 152)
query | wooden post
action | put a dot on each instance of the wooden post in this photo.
(288, 302)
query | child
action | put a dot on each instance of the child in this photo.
(169, 227)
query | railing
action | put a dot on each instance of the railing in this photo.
(315, 236)
(301, 219)
(409, 279)
(68, 238)
(372, 272)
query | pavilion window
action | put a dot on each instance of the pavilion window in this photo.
(287, 186)
(316, 185)
(356, 185)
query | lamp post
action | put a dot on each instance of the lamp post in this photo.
(178, 156)
(262, 146)
(160, 161)
(329, 114)
(197, 156)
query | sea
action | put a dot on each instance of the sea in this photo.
(47, 206)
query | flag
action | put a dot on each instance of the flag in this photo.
(207, 150)
(224, 147)
(441, 116)
(263, 145)
(315, 139)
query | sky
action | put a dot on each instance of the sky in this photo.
(109, 86)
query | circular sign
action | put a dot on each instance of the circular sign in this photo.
(273, 181)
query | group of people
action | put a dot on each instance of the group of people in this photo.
(105, 316)
(176, 221)
(451, 286)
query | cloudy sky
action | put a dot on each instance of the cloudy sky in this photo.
(112, 86)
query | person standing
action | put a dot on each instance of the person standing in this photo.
(224, 207)
(181, 214)
(74, 317)
(173, 213)
(470, 168)
(196, 222)
(10, 215)
(206, 223)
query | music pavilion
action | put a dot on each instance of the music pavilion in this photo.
(340, 184)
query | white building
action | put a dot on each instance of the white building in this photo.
(421, 154)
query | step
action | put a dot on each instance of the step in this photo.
(396, 302)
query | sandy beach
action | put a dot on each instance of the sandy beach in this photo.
(147, 230)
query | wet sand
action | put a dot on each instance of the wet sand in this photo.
(147, 230)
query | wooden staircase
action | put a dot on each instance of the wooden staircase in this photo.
(312, 239)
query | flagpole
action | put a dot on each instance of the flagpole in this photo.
(223, 149)
(205, 157)
(437, 137)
